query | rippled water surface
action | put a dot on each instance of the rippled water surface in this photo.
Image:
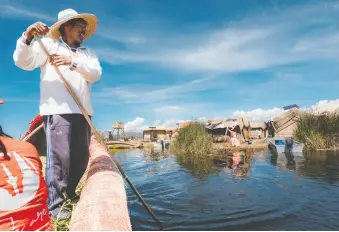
(237, 191)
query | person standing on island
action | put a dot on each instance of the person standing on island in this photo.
(67, 131)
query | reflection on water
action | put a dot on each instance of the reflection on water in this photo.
(238, 162)
(154, 155)
(319, 165)
(199, 168)
(235, 191)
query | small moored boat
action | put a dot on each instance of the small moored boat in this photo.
(285, 145)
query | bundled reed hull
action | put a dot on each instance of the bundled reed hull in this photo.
(103, 200)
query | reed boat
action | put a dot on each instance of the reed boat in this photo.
(103, 199)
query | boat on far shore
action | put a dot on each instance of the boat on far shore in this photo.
(285, 145)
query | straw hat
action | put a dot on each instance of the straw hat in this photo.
(69, 14)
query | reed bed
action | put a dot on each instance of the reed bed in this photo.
(62, 225)
(318, 131)
(192, 140)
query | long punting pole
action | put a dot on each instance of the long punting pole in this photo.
(76, 99)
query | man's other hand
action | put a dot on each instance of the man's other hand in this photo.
(58, 60)
(36, 28)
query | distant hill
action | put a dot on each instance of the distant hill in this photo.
(137, 135)
(129, 134)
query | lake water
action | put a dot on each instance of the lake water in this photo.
(236, 191)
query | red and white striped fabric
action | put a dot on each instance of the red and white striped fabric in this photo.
(23, 191)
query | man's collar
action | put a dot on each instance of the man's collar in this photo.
(62, 41)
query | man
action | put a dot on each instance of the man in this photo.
(23, 191)
(67, 132)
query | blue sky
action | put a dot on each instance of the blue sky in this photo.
(166, 61)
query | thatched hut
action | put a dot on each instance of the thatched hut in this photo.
(220, 130)
(158, 133)
(222, 127)
(285, 124)
(258, 130)
(154, 133)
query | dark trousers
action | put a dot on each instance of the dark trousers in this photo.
(68, 139)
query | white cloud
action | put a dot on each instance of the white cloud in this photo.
(153, 93)
(136, 125)
(157, 123)
(170, 123)
(168, 109)
(166, 123)
(11, 11)
(256, 42)
(325, 105)
(121, 36)
(265, 115)
(258, 114)
(227, 50)
(120, 92)
(203, 120)
(223, 51)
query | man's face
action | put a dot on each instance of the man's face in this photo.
(77, 32)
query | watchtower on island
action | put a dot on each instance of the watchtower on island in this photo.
(119, 127)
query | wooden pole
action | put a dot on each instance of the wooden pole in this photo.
(97, 136)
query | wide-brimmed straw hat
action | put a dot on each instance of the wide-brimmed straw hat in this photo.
(69, 14)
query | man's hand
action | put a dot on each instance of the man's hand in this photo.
(58, 60)
(36, 28)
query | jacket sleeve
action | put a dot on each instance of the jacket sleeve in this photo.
(29, 57)
(88, 66)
